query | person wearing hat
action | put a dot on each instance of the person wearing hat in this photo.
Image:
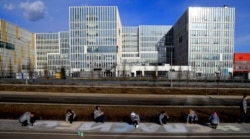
(135, 118)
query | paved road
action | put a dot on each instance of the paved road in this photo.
(11, 129)
(115, 99)
(54, 135)
(138, 82)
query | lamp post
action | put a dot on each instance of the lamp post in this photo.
(171, 84)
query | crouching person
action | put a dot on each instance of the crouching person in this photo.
(27, 118)
(70, 116)
(214, 120)
(98, 115)
(192, 117)
(135, 119)
(163, 117)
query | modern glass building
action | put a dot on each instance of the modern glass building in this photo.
(144, 45)
(57, 61)
(151, 40)
(95, 38)
(130, 46)
(46, 43)
(17, 49)
(204, 39)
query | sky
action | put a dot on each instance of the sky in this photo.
(42, 16)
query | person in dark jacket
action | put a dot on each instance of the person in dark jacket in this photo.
(98, 115)
(214, 120)
(192, 117)
(70, 116)
(27, 118)
(163, 117)
(243, 109)
(135, 119)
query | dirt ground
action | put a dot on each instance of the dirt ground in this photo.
(127, 90)
(120, 113)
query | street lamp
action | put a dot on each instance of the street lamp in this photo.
(171, 84)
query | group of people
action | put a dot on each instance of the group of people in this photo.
(28, 118)
(98, 115)
(214, 119)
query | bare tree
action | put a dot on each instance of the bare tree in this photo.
(179, 74)
(63, 73)
(10, 68)
(206, 77)
(124, 70)
(218, 77)
(19, 68)
(155, 74)
(31, 69)
(1, 67)
(187, 74)
(46, 70)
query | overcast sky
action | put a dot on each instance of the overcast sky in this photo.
(53, 15)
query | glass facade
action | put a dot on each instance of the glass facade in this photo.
(130, 46)
(17, 49)
(46, 43)
(151, 39)
(95, 37)
(204, 39)
(62, 59)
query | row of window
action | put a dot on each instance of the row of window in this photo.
(130, 55)
(212, 14)
(47, 36)
(94, 41)
(105, 65)
(93, 57)
(213, 64)
(133, 49)
(93, 25)
(201, 33)
(220, 41)
(94, 33)
(215, 57)
(58, 62)
(93, 13)
(208, 50)
(7, 45)
(212, 26)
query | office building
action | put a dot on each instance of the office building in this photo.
(95, 38)
(151, 44)
(46, 43)
(242, 65)
(203, 38)
(17, 50)
(130, 46)
(61, 60)
(144, 45)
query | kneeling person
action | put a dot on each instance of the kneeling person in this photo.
(98, 114)
(70, 116)
(214, 120)
(135, 118)
(28, 118)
